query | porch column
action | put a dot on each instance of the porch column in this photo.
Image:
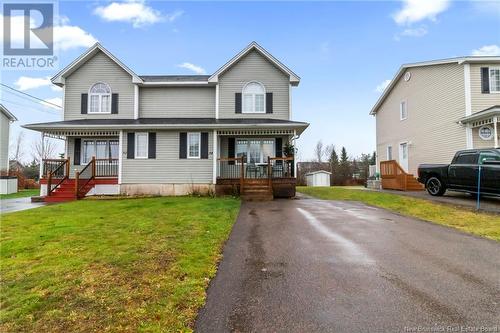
(120, 156)
(495, 130)
(42, 153)
(294, 154)
(215, 155)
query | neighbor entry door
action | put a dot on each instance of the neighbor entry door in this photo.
(403, 155)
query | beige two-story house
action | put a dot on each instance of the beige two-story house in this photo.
(432, 109)
(172, 134)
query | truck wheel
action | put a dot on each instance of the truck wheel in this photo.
(435, 187)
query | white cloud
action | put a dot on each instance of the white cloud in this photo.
(487, 50)
(55, 100)
(69, 36)
(192, 67)
(135, 12)
(65, 36)
(412, 32)
(24, 83)
(381, 87)
(419, 10)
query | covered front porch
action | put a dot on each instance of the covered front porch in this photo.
(251, 159)
(90, 165)
(483, 128)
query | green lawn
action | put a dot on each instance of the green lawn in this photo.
(21, 194)
(482, 224)
(111, 265)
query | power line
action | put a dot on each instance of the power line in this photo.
(34, 97)
(54, 112)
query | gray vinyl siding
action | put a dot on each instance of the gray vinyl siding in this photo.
(480, 101)
(99, 68)
(435, 97)
(4, 142)
(183, 102)
(167, 168)
(254, 67)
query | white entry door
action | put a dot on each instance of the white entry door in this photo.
(403, 155)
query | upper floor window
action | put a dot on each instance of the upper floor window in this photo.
(100, 98)
(254, 95)
(495, 79)
(403, 110)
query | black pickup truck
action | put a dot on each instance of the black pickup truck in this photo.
(462, 173)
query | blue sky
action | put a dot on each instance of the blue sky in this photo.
(342, 50)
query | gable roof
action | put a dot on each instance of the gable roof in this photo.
(294, 78)
(58, 79)
(404, 67)
(7, 113)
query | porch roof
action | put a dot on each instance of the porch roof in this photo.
(168, 123)
(482, 116)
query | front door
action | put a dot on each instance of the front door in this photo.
(403, 155)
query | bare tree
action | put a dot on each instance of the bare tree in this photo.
(319, 151)
(43, 148)
(18, 151)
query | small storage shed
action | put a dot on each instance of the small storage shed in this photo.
(318, 178)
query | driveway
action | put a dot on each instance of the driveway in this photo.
(310, 265)
(17, 204)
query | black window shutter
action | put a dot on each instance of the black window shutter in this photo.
(485, 80)
(131, 145)
(77, 150)
(279, 148)
(230, 149)
(114, 103)
(237, 102)
(269, 102)
(152, 145)
(183, 145)
(204, 145)
(84, 103)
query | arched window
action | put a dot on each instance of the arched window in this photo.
(100, 98)
(254, 95)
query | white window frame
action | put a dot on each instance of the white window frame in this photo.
(82, 150)
(387, 153)
(262, 157)
(405, 103)
(136, 145)
(485, 138)
(188, 142)
(496, 68)
(100, 95)
(243, 103)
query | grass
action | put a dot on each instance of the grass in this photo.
(21, 194)
(481, 224)
(133, 265)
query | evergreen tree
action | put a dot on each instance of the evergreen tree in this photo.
(345, 172)
(333, 160)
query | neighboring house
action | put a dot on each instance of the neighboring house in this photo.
(7, 184)
(173, 134)
(432, 109)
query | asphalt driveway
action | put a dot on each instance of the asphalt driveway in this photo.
(18, 204)
(310, 265)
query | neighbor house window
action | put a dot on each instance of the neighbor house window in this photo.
(193, 145)
(389, 153)
(101, 149)
(495, 79)
(255, 150)
(100, 98)
(403, 110)
(141, 145)
(254, 98)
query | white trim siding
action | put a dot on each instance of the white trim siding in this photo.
(468, 137)
(217, 101)
(136, 101)
(120, 157)
(214, 156)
